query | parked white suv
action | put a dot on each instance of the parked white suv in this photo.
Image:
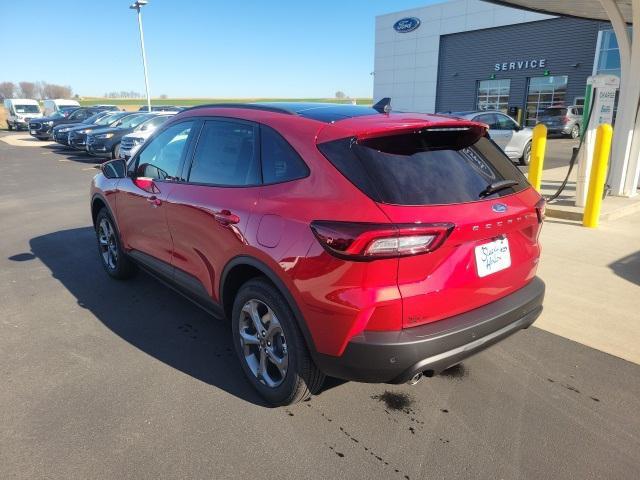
(20, 111)
(513, 139)
(132, 142)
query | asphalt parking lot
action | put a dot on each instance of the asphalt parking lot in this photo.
(106, 379)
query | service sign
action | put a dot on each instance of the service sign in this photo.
(526, 64)
(406, 25)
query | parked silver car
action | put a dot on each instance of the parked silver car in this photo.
(562, 120)
(513, 139)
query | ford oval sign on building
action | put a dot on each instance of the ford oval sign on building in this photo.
(406, 25)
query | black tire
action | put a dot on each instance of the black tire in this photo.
(526, 155)
(118, 266)
(575, 132)
(302, 377)
(115, 152)
(9, 126)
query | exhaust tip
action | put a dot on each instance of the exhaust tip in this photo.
(415, 379)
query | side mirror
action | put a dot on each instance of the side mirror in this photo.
(115, 168)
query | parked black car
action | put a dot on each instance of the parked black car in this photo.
(111, 108)
(161, 108)
(106, 141)
(60, 133)
(42, 128)
(78, 135)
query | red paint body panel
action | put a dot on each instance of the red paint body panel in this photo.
(338, 298)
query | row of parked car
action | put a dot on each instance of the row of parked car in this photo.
(101, 130)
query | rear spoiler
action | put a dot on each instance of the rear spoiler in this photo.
(383, 106)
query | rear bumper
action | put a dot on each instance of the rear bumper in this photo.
(395, 357)
(559, 129)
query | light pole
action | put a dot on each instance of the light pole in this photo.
(136, 6)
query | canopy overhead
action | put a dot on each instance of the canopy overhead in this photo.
(591, 9)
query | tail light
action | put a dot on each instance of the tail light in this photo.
(565, 119)
(540, 209)
(371, 241)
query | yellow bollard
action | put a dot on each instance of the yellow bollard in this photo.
(538, 147)
(598, 176)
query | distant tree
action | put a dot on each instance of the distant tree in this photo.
(7, 90)
(76, 96)
(51, 90)
(340, 95)
(164, 96)
(28, 90)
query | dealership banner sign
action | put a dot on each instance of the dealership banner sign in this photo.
(521, 65)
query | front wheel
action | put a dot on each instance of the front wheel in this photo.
(271, 349)
(113, 258)
(115, 153)
(525, 159)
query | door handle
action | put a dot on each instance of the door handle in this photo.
(225, 217)
(154, 201)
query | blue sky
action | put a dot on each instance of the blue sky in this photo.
(196, 48)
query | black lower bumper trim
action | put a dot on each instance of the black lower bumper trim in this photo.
(395, 357)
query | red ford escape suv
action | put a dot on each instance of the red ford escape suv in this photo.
(338, 240)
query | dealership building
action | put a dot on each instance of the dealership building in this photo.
(468, 54)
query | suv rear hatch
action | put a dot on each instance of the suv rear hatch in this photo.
(555, 116)
(485, 216)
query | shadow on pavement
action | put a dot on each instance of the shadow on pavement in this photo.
(144, 312)
(628, 267)
(75, 155)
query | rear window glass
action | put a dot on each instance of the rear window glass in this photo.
(554, 112)
(431, 167)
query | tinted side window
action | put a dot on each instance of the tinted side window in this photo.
(280, 162)
(505, 123)
(226, 155)
(78, 115)
(489, 119)
(161, 157)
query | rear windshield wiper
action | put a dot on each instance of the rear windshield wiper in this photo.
(496, 187)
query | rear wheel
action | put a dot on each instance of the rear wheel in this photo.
(575, 131)
(9, 126)
(271, 349)
(526, 155)
(113, 258)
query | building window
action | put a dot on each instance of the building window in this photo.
(493, 95)
(544, 92)
(608, 55)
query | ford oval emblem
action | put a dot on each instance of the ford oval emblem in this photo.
(406, 25)
(499, 207)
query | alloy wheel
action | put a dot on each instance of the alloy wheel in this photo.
(108, 244)
(263, 343)
(575, 131)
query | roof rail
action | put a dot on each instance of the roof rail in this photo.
(252, 106)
